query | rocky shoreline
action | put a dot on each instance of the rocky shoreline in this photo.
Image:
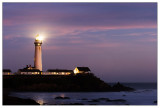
(79, 83)
(9, 100)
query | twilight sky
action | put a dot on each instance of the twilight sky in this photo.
(117, 41)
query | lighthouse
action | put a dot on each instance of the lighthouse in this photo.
(38, 53)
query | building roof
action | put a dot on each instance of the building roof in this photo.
(6, 70)
(29, 70)
(59, 70)
(83, 69)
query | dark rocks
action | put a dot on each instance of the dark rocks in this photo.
(116, 100)
(9, 100)
(155, 102)
(59, 97)
(76, 104)
(18, 101)
(94, 100)
(107, 100)
(73, 104)
(84, 99)
(120, 87)
(103, 98)
(66, 98)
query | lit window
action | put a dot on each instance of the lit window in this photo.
(76, 71)
(68, 73)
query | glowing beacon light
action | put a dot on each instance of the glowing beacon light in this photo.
(38, 37)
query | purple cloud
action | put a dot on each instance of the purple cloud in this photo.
(114, 39)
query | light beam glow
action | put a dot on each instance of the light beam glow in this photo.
(39, 37)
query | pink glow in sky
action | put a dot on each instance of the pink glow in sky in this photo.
(117, 41)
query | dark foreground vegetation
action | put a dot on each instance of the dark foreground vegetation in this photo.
(49, 83)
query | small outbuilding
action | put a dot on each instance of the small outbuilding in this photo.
(81, 70)
(6, 72)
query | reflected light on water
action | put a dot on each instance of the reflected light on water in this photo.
(40, 101)
(62, 95)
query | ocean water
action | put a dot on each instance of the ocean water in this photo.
(145, 94)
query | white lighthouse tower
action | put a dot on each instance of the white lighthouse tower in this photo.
(38, 53)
